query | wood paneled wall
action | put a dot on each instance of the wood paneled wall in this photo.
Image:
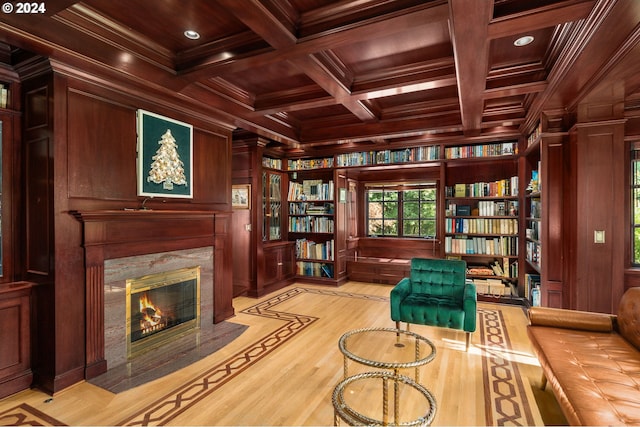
(80, 154)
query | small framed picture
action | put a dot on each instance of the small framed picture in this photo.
(241, 196)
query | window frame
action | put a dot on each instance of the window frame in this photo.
(400, 189)
(634, 211)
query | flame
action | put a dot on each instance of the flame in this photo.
(151, 315)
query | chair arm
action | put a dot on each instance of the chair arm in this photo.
(399, 293)
(469, 305)
(571, 319)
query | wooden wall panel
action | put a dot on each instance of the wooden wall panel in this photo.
(599, 267)
(102, 149)
(212, 166)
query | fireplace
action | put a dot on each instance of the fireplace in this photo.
(160, 307)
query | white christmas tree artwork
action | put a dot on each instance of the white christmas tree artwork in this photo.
(167, 168)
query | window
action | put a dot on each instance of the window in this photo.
(407, 210)
(635, 206)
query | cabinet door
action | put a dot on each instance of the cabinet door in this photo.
(15, 362)
(272, 267)
(288, 261)
(272, 206)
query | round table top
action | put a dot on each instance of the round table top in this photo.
(387, 348)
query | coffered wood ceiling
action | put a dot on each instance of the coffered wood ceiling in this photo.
(314, 73)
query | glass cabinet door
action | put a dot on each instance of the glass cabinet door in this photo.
(272, 206)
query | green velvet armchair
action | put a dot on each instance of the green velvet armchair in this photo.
(436, 294)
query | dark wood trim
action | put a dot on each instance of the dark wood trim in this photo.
(119, 233)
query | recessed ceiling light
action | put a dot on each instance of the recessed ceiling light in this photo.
(523, 41)
(191, 34)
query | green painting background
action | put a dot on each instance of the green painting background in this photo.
(152, 128)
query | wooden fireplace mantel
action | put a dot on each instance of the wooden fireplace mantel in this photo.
(109, 234)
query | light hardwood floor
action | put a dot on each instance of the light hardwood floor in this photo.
(283, 368)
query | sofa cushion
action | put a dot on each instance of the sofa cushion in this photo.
(595, 376)
(629, 316)
(444, 311)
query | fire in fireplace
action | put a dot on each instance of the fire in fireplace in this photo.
(160, 307)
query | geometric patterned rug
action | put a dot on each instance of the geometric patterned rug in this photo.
(507, 401)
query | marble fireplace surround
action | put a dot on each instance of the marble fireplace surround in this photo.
(135, 243)
(118, 270)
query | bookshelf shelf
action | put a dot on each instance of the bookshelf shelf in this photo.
(481, 226)
(311, 218)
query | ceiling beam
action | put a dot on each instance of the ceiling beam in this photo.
(515, 90)
(469, 23)
(217, 65)
(264, 23)
(544, 17)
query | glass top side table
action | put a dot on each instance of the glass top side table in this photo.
(386, 348)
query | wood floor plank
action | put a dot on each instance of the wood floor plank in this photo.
(283, 368)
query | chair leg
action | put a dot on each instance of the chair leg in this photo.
(468, 341)
(398, 328)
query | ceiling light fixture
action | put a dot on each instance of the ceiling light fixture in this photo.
(192, 34)
(523, 41)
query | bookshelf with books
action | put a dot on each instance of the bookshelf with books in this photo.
(479, 151)
(427, 153)
(543, 171)
(481, 224)
(312, 219)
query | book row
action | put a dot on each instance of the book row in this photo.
(268, 162)
(493, 287)
(310, 189)
(484, 208)
(314, 269)
(4, 95)
(484, 150)
(306, 164)
(311, 224)
(504, 269)
(481, 225)
(501, 188)
(364, 158)
(534, 252)
(465, 245)
(305, 208)
(530, 281)
(533, 230)
(308, 249)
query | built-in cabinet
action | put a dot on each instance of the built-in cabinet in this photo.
(264, 258)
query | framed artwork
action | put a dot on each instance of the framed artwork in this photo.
(165, 156)
(241, 196)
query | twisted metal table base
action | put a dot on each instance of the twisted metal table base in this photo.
(342, 411)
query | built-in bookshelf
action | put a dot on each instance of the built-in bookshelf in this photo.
(383, 157)
(534, 135)
(481, 150)
(309, 164)
(4, 95)
(482, 227)
(272, 163)
(311, 220)
(534, 222)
